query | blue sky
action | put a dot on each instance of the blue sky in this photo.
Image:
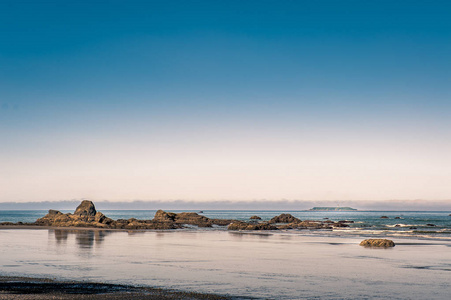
(225, 100)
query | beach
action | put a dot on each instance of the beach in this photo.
(44, 288)
(261, 265)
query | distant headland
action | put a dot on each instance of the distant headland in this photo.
(332, 209)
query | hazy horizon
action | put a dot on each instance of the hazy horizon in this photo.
(236, 100)
(280, 205)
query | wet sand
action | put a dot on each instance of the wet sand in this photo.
(135, 264)
(43, 288)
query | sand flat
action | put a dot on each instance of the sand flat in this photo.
(261, 264)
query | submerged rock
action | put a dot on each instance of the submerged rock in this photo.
(378, 243)
(255, 218)
(384, 217)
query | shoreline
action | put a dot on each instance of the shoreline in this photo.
(18, 287)
(311, 232)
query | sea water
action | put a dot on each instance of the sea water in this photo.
(418, 224)
(264, 265)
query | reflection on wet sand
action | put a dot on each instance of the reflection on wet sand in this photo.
(83, 238)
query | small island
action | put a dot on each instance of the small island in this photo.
(332, 209)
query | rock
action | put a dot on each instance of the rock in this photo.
(378, 243)
(397, 218)
(53, 212)
(221, 222)
(240, 225)
(339, 224)
(263, 226)
(308, 224)
(431, 225)
(86, 208)
(412, 228)
(192, 218)
(255, 218)
(384, 217)
(162, 216)
(284, 218)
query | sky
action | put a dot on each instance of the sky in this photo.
(225, 100)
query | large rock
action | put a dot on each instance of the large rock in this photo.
(84, 216)
(162, 216)
(284, 218)
(86, 208)
(379, 243)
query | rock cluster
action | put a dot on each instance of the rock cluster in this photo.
(286, 221)
(379, 243)
(86, 215)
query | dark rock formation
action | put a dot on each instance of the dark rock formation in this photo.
(346, 222)
(431, 225)
(240, 225)
(192, 218)
(384, 217)
(221, 222)
(284, 218)
(379, 243)
(255, 218)
(162, 216)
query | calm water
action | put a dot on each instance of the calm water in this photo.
(367, 223)
(265, 265)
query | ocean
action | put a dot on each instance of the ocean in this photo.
(423, 224)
